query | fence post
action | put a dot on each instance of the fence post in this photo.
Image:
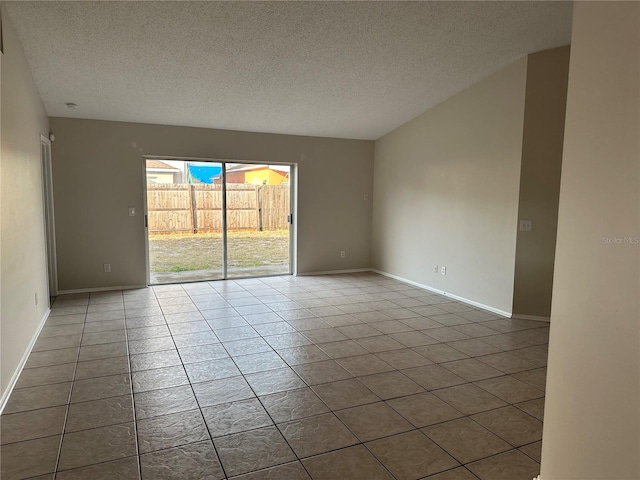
(194, 207)
(259, 208)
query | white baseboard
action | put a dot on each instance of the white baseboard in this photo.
(497, 311)
(538, 478)
(99, 289)
(334, 272)
(7, 393)
(536, 318)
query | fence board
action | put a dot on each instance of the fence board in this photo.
(173, 209)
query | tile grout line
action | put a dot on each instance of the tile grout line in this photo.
(73, 379)
(215, 449)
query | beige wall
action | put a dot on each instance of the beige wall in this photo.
(446, 192)
(23, 269)
(591, 428)
(92, 222)
(544, 112)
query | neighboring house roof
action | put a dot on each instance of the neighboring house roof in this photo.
(157, 165)
(250, 168)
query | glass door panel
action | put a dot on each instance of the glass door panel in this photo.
(258, 207)
(184, 222)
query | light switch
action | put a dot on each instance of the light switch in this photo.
(132, 211)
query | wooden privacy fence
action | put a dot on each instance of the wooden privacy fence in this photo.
(196, 208)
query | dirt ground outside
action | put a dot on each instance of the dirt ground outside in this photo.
(247, 251)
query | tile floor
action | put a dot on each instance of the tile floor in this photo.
(330, 377)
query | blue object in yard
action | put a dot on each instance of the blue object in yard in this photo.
(203, 173)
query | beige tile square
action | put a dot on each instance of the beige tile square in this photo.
(391, 385)
(101, 387)
(321, 372)
(381, 343)
(354, 463)
(535, 408)
(402, 359)
(536, 378)
(99, 413)
(440, 353)
(359, 331)
(372, 421)
(287, 340)
(172, 430)
(471, 369)
(506, 362)
(424, 409)
(293, 404)
(153, 360)
(18, 427)
(211, 370)
(469, 399)
(535, 355)
(165, 401)
(272, 381)
(411, 455)
(303, 354)
(515, 426)
(506, 466)
(413, 338)
(255, 450)
(446, 334)
(465, 440)
(97, 445)
(31, 458)
(226, 390)
(159, 378)
(192, 461)
(34, 398)
(105, 350)
(259, 362)
(394, 326)
(52, 357)
(102, 367)
(344, 394)
(314, 435)
(229, 418)
(364, 365)
(459, 473)
(533, 450)
(288, 471)
(124, 468)
(33, 377)
(510, 389)
(345, 348)
(325, 334)
(433, 377)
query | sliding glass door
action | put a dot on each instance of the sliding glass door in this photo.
(258, 208)
(215, 220)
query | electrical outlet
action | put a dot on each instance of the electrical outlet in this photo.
(107, 268)
(435, 269)
(443, 270)
(366, 196)
(526, 225)
(343, 254)
(132, 211)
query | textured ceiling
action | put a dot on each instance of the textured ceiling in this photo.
(351, 70)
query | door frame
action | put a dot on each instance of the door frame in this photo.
(293, 199)
(49, 218)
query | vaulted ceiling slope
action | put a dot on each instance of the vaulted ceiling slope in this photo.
(336, 69)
